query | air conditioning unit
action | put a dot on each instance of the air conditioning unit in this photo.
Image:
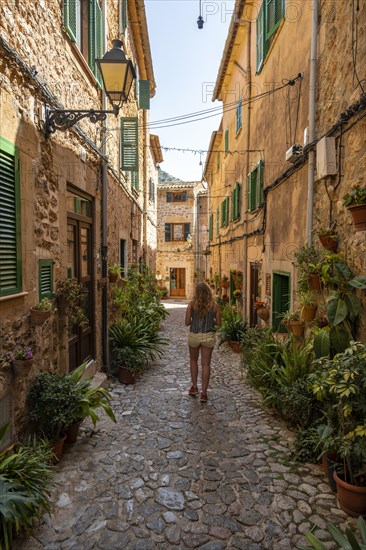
(294, 153)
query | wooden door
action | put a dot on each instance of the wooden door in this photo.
(177, 281)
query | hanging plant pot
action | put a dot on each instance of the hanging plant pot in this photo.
(235, 346)
(263, 313)
(38, 317)
(358, 214)
(314, 281)
(329, 242)
(297, 327)
(22, 367)
(351, 498)
(113, 277)
(225, 284)
(125, 376)
(308, 313)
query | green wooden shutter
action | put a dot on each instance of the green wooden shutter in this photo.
(95, 37)
(218, 161)
(273, 16)
(45, 274)
(281, 299)
(227, 141)
(71, 18)
(260, 38)
(187, 230)
(168, 232)
(217, 222)
(238, 200)
(123, 15)
(227, 205)
(144, 94)
(238, 116)
(252, 185)
(135, 180)
(259, 184)
(129, 144)
(233, 203)
(10, 235)
(210, 228)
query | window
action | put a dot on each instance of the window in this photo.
(177, 197)
(227, 140)
(45, 274)
(210, 228)
(269, 18)
(225, 212)
(235, 202)
(177, 231)
(10, 235)
(239, 115)
(151, 189)
(255, 187)
(83, 21)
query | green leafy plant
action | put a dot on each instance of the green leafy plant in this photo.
(53, 401)
(297, 403)
(115, 269)
(232, 326)
(355, 197)
(327, 231)
(44, 305)
(71, 300)
(24, 354)
(305, 445)
(308, 260)
(344, 541)
(25, 481)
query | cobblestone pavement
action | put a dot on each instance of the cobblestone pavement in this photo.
(175, 474)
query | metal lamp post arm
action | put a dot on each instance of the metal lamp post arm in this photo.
(63, 119)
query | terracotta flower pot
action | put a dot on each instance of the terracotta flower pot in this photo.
(57, 449)
(297, 327)
(38, 317)
(329, 242)
(225, 284)
(351, 498)
(358, 213)
(314, 281)
(308, 313)
(235, 346)
(113, 277)
(263, 313)
(125, 376)
(22, 368)
(72, 432)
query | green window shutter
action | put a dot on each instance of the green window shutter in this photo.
(10, 235)
(238, 115)
(227, 141)
(72, 19)
(210, 228)
(233, 203)
(135, 180)
(227, 205)
(123, 15)
(260, 38)
(217, 222)
(144, 94)
(274, 12)
(168, 232)
(281, 299)
(259, 184)
(95, 37)
(238, 201)
(45, 274)
(252, 193)
(218, 161)
(129, 144)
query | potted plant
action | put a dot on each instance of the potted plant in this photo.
(225, 283)
(340, 383)
(23, 361)
(262, 310)
(328, 237)
(70, 297)
(238, 294)
(308, 305)
(232, 328)
(114, 272)
(355, 201)
(53, 401)
(347, 541)
(295, 323)
(308, 260)
(237, 277)
(41, 311)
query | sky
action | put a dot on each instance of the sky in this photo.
(186, 61)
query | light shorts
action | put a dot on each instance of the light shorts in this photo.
(206, 339)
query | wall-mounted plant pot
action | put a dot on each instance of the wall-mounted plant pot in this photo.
(22, 368)
(235, 346)
(329, 242)
(125, 376)
(308, 313)
(314, 281)
(358, 213)
(225, 284)
(351, 498)
(263, 313)
(38, 317)
(297, 327)
(113, 277)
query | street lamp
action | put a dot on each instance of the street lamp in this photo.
(118, 74)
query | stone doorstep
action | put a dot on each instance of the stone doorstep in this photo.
(100, 380)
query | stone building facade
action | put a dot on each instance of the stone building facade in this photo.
(261, 169)
(70, 205)
(177, 266)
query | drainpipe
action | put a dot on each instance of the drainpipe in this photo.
(312, 99)
(245, 299)
(104, 326)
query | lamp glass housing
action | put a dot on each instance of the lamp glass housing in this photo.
(117, 72)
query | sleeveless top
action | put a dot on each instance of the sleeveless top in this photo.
(203, 325)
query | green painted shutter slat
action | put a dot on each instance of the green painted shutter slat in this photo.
(10, 237)
(238, 115)
(123, 15)
(144, 94)
(95, 37)
(71, 18)
(260, 183)
(210, 228)
(281, 299)
(226, 141)
(45, 270)
(252, 190)
(260, 38)
(168, 232)
(238, 200)
(274, 14)
(129, 144)
(217, 222)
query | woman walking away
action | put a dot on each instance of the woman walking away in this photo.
(202, 315)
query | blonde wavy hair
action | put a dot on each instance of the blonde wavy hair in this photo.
(202, 299)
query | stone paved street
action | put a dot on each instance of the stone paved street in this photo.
(175, 474)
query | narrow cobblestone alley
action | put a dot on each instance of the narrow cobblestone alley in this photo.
(174, 473)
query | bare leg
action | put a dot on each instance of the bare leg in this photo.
(193, 363)
(206, 362)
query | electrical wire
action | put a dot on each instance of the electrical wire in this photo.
(355, 44)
